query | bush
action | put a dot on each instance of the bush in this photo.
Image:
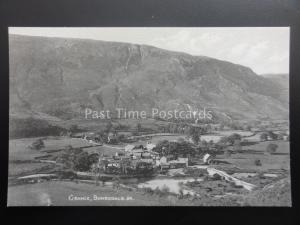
(76, 159)
(272, 135)
(148, 190)
(271, 148)
(181, 194)
(231, 139)
(264, 137)
(216, 177)
(237, 145)
(74, 128)
(161, 192)
(257, 162)
(38, 144)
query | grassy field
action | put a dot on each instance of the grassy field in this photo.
(245, 159)
(106, 150)
(230, 132)
(57, 193)
(99, 124)
(62, 142)
(21, 156)
(24, 168)
(62, 193)
(18, 149)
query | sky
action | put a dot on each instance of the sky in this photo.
(263, 49)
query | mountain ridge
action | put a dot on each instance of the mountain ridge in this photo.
(61, 77)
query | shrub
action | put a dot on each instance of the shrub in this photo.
(157, 191)
(38, 144)
(264, 137)
(272, 135)
(181, 194)
(257, 162)
(161, 192)
(237, 145)
(231, 139)
(148, 190)
(77, 159)
(216, 177)
(74, 128)
(271, 148)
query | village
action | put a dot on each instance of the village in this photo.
(229, 163)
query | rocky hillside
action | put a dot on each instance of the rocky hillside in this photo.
(60, 77)
(283, 81)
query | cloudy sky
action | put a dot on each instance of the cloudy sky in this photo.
(265, 50)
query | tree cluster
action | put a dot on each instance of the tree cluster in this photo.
(76, 159)
(176, 149)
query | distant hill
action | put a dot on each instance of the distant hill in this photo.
(283, 81)
(60, 77)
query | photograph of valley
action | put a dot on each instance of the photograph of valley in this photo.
(160, 116)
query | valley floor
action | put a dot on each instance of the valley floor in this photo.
(271, 191)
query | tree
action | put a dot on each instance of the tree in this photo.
(194, 132)
(257, 162)
(231, 139)
(38, 144)
(175, 148)
(208, 128)
(102, 136)
(272, 135)
(189, 130)
(196, 138)
(263, 137)
(108, 127)
(280, 136)
(237, 145)
(76, 159)
(227, 153)
(81, 162)
(271, 148)
(74, 128)
(93, 158)
(138, 128)
(248, 128)
(121, 137)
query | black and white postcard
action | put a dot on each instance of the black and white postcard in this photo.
(149, 116)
